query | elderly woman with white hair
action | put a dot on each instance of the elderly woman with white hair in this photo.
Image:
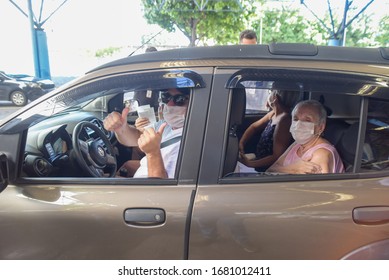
(310, 153)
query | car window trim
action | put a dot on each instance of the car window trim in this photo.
(305, 80)
(356, 169)
(361, 134)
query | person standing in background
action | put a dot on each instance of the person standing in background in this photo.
(248, 37)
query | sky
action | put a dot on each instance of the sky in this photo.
(80, 27)
(74, 33)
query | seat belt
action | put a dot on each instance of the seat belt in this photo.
(170, 141)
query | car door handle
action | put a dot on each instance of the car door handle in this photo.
(371, 215)
(144, 216)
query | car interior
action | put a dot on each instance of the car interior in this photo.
(68, 138)
(357, 121)
(74, 142)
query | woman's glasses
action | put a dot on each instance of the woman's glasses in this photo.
(178, 100)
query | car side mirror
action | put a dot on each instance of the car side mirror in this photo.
(3, 172)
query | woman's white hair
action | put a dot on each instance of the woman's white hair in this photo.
(316, 105)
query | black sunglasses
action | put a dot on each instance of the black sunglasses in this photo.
(179, 100)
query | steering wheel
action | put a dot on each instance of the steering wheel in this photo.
(93, 150)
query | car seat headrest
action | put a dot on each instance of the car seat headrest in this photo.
(334, 130)
(348, 143)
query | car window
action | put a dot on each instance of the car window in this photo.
(376, 152)
(358, 135)
(256, 100)
(256, 96)
(68, 138)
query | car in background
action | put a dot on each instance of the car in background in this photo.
(19, 92)
(61, 197)
(45, 84)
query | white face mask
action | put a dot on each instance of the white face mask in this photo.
(174, 115)
(302, 131)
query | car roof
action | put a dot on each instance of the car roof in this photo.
(298, 51)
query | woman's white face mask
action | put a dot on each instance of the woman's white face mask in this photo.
(174, 115)
(302, 131)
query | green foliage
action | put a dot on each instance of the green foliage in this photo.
(218, 21)
(106, 52)
(360, 33)
(382, 37)
(221, 21)
(282, 25)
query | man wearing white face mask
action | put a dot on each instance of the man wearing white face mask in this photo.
(159, 143)
(310, 153)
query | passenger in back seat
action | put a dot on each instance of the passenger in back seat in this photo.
(310, 153)
(275, 137)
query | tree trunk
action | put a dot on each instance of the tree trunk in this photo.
(193, 28)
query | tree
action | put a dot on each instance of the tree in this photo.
(382, 36)
(337, 31)
(201, 21)
(359, 33)
(107, 52)
(220, 22)
(287, 26)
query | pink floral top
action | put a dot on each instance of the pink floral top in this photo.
(292, 156)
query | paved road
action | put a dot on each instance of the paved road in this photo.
(7, 108)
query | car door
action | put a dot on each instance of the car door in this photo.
(100, 218)
(3, 88)
(280, 216)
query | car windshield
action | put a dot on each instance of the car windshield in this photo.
(81, 94)
(65, 102)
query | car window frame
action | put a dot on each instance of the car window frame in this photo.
(187, 177)
(370, 86)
